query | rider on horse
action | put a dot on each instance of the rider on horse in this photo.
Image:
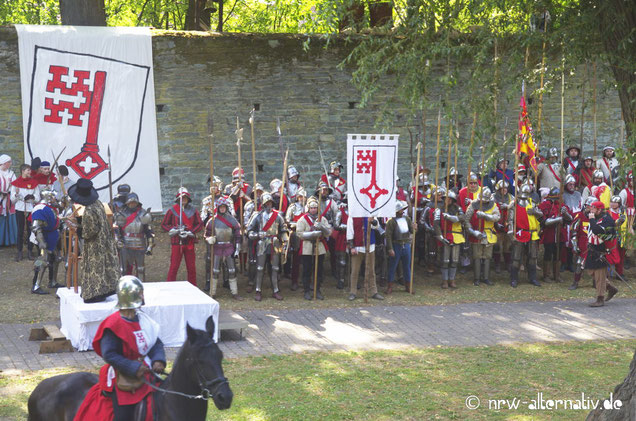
(128, 342)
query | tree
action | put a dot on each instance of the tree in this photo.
(83, 12)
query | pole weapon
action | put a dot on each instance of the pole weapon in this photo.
(211, 136)
(317, 243)
(456, 154)
(253, 146)
(439, 127)
(324, 167)
(450, 137)
(284, 154)
(561, 172)
(239, 137)
(545, 30)
(417, 191)
(472, 142)
(110, 179)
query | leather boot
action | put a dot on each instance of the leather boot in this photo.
(18, 256)
(294, 286)
(547, 271)
(575, 285)
(557, 272)
(444, 278)
(206, 288)
(258, 296)
(600, 302)
(476, 271)
(611, 292)
(445, 284)
(486, 272)
(407, 287)
(389, 289)
(277, 296)
(237, 297)
(451, 284)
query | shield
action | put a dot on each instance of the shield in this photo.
(86, 103)
(372, 174)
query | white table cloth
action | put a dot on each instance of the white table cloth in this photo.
(170, 304)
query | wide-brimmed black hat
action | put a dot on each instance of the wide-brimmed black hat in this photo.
(35, 163)
(83, 192)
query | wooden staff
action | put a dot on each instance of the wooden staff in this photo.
(594, 104)
(72, 248)
(495, 94)
(450, 147)
(517, 188)
(423, 137)
(456, 146)
(583, 109)
(282, 190)
(545, 29)
(439, 128)
(481, 176)
(253, 148)
(318, 217)
(239, 137)
(211, 136)
(419, 148)
(367, 261)
(472, 142)
(561, 173)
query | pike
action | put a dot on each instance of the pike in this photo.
(239, 137)
(439, 127)
(211, 136)
(318, 217)
(419, 148)
(324, 167)
(472, 141)
(253, 147)
(284, 154)
(110, 179)
(450, 139)
(561, 173)
(545, 30)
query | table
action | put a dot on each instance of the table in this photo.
(170, 304)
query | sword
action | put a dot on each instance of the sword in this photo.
(110, 179)
(617, 274)
(322, 161)
(54, 164)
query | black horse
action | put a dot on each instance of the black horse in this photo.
(197, 372)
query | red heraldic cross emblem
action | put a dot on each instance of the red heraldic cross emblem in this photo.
(86, 163)
(366, 163)
(371, 166)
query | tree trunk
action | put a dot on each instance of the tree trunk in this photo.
(626, 393)
(83, 12)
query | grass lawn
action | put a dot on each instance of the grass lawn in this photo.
(412, 385)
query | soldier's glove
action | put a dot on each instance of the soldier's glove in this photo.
(149, 250)
(120, 244)
(316, 234)
(499, 227)
(211, 240)
(480, 214)
(564, 210)
(185, 234)
(174, 231)
(443, 240)
(467, 201)
(483, 236)
(262, 234)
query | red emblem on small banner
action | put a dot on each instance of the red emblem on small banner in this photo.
(366, 163)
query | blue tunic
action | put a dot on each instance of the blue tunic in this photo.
(45, 213)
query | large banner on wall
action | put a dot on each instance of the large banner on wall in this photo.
(372, 172)
(88, 90)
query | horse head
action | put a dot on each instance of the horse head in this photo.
(204, 363)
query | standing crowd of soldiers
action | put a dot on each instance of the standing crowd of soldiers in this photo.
(579, 210)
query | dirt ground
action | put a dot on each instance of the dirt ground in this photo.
(20, 306)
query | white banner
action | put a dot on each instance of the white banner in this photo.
(91, 90)
(372, 172)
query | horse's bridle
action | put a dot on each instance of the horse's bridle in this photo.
(209, 388)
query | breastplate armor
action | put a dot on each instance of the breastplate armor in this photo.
(134, 236)
(292, 189)
(402, 225)
(222, 232)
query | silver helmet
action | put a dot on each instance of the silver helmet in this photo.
(301, 192)
(525, 191)
(333, 165)
(274, 185)
(266, 197)
(616, 199)
(292, 172)
(590, 200)
(451, 194)
(48, 196)
(501, 184)
(598, 174)
(132, 197)
(400, 205)
(440, 191)
(553, 153)
(569, 179)
(486, 194)
(130, 293)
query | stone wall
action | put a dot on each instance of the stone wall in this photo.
(229, 74)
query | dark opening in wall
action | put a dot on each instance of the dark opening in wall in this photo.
(352, 104)
(161, 107)
(259, 167)
(257, 107)
(162, 171)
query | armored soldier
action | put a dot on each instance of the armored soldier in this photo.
(223, 233)
(312, 232)
(399, 230)
(579, 239)
(585, 173)
(119, 201)
(525, 233)
(522, 176)
(293, 183)
(426, 236)
(276, 189)
(571, 199)
(571, 161)
(608, 164)
(549, 173)
(337, 183)
(556, 217)
(134, 236)
(602, 229)
(481, 216)
(617, 249)
(182, 222)
(209, 203)
(268, 228)
(448, 230)
(340, 241)
(505, 202)
(250, 209)
(45, 228)
(294, 212)
(425, 188)
(599, 189)
(239, 191)
(470, 192)
(502, 172)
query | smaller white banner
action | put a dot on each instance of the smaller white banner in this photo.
(372, 171)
